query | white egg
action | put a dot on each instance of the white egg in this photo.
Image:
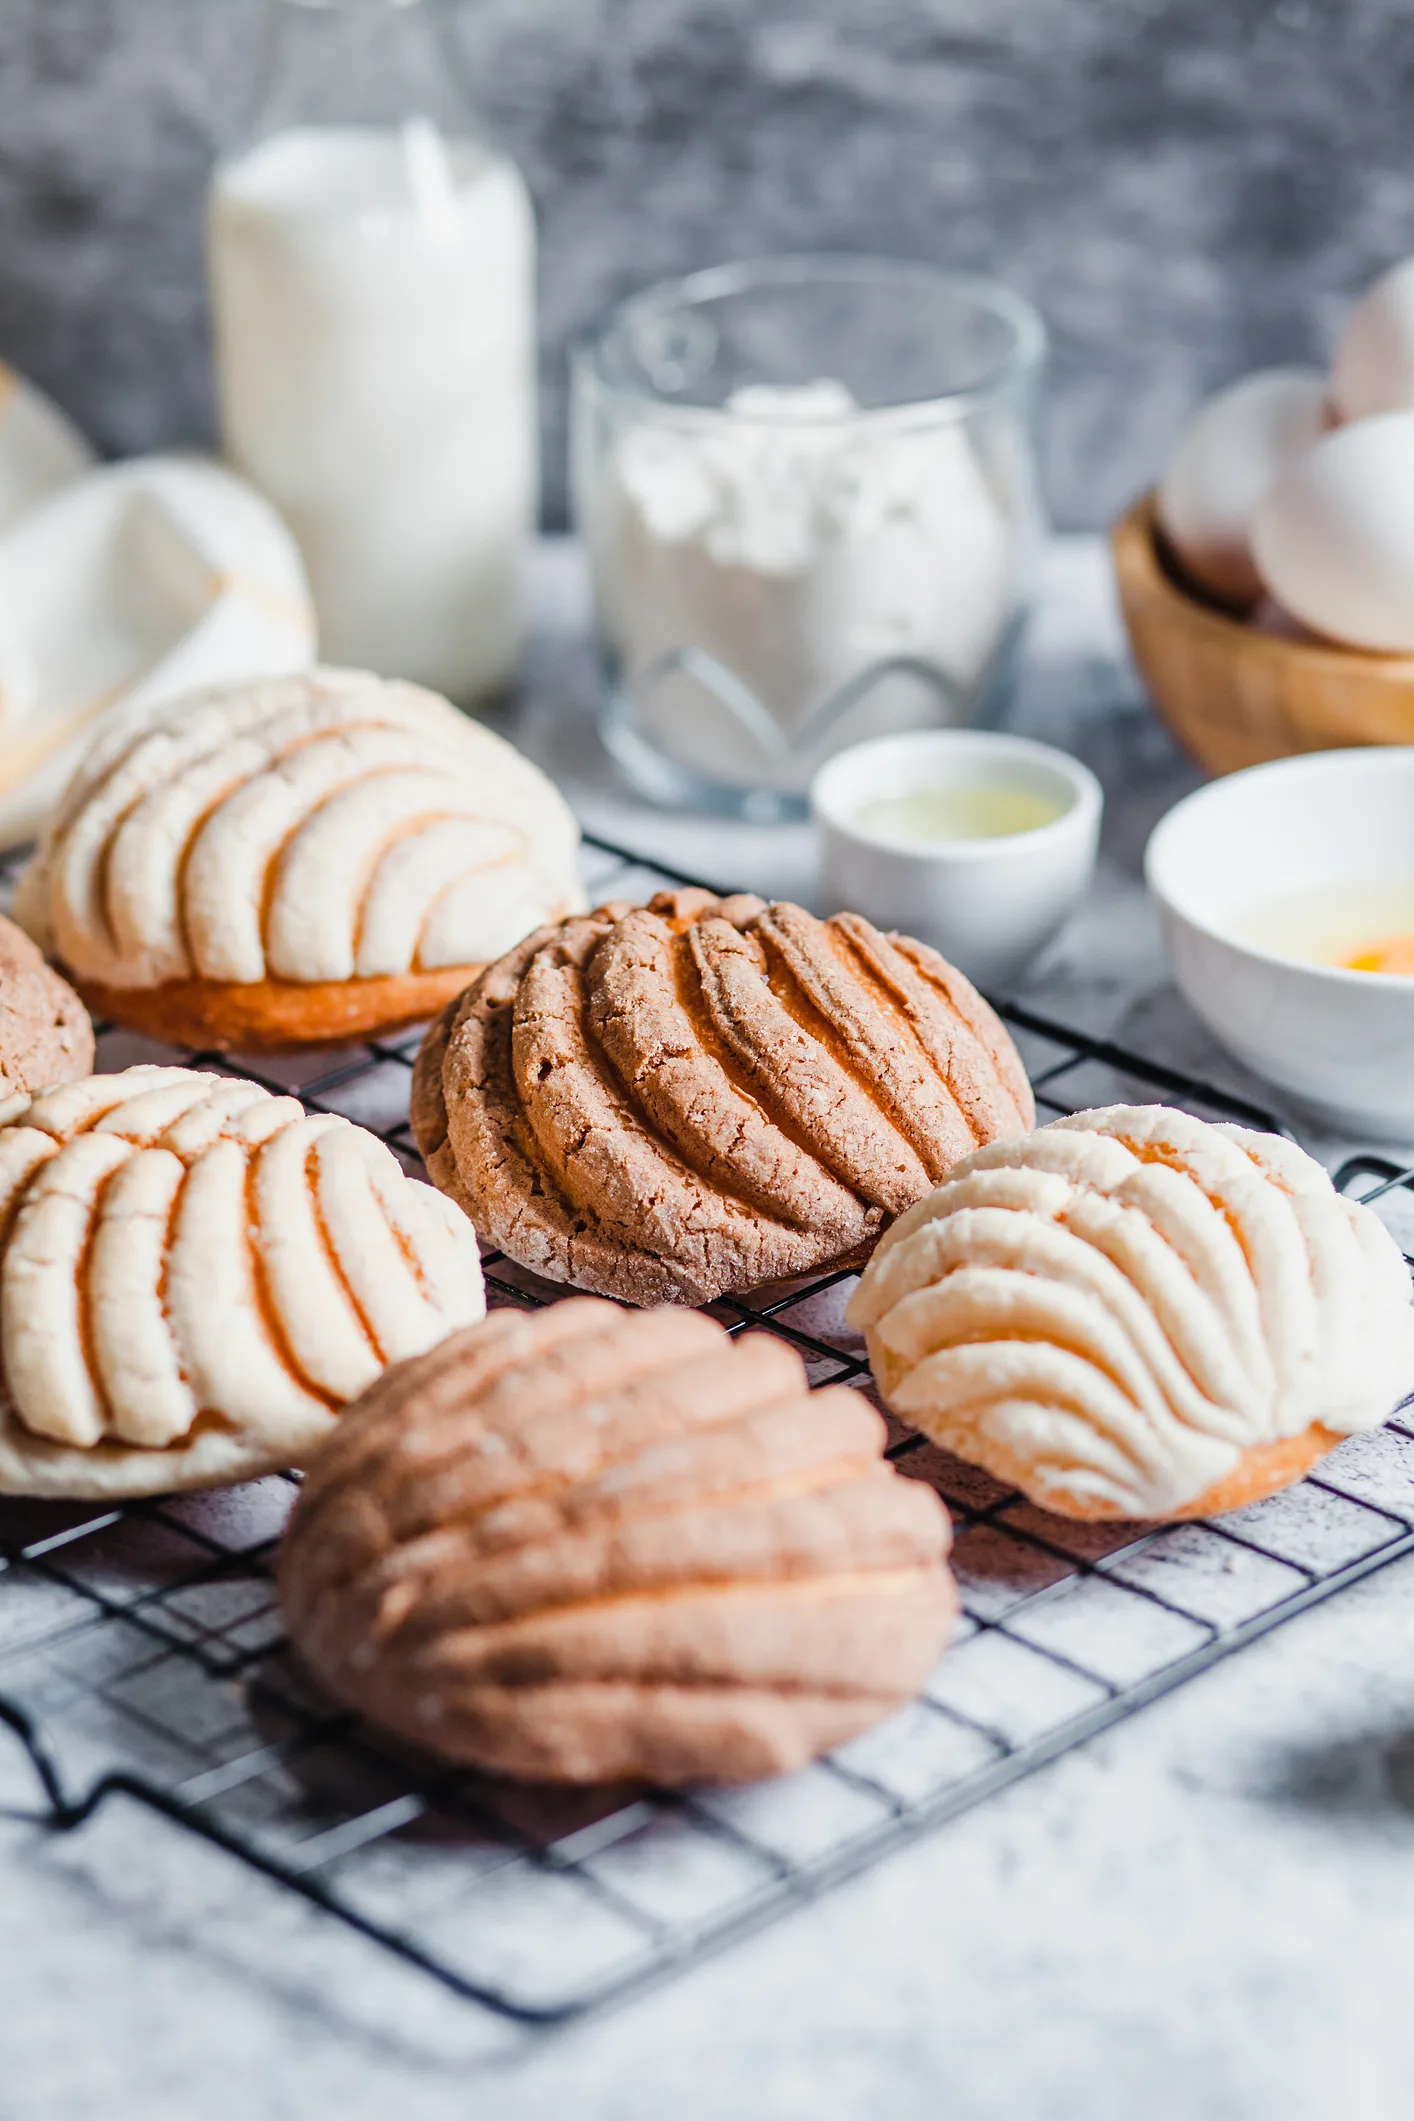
(1223, 467)
(1268, 616)
(1335, 537)
(1373, 369)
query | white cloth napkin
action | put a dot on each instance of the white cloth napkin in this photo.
(130, 582)
(40, 447)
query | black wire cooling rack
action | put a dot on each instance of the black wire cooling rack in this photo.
(141, 1652)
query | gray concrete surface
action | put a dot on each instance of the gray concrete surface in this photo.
(1187, 187)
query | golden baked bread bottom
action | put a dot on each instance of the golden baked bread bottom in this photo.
(277, 1016)
(1262, 1470)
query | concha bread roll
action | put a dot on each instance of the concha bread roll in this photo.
(45, 1035)
(587, 1545)
(294, 860)
(669, 1102)
(196, 1276)
(1132, 1313)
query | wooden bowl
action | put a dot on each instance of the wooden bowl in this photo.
(1234, 696)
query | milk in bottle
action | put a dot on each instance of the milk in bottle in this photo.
(372, 272)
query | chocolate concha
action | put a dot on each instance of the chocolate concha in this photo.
(195, 1276)
(1134, 1313)
(295, 859)
(589, 1545)
(45, 1035)
(670, 1102)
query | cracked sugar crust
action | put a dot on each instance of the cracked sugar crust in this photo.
(587, 1544)
(311, 830)
(673, 1102)
(1134, 1313)
(196, 1276)
(45, 1035)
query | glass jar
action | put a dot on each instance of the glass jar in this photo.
(809, 491)
(372, 269)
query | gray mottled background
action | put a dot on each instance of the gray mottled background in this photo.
(1187, 187)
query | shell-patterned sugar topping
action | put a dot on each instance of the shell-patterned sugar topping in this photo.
(195, 1275)
(590, 1544)
(669, 1101)
(326, 826)
(1115, 1311)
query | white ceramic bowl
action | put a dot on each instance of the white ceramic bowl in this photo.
(988, 904)
(1341, 1042)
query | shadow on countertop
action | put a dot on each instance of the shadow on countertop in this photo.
(1370, 1775)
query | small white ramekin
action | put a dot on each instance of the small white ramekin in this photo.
(989, 905)
(1341, 1042)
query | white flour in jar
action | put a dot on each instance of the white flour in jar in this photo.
(798, 542)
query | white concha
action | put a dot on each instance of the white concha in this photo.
(195, 1276)
(327, 826)
(1111, 1312)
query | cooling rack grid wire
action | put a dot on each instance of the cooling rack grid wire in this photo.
(141, 1651)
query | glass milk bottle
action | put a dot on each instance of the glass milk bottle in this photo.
(372, 270)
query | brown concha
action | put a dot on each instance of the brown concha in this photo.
(587, 1545)
(671, 1102)
(45, 1035)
